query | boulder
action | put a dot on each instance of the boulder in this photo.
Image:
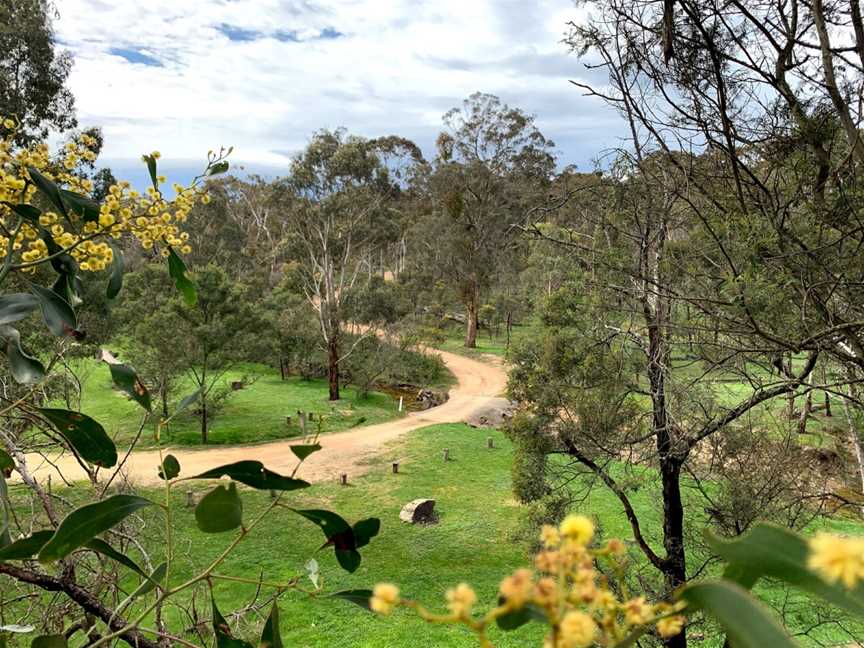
(427, 399)
(418, 511)
(493, 415)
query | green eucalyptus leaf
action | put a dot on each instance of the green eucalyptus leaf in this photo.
(365, 530)
(339, 535)
(86, 436)
(100, 546)
(88, 521)
(746, 621)
(303, 451)
(270, 636)
(49, 189)
(220, 510)
(49, 641)
(216, 169)
(83, 207)
(16, 306)
(769, 550)
(118, 267)
(177, 270)
(68, 285)
(25, 369)
(26, 548)
(170, 468)
(58, 314)
(128, 381)
(254, 474)
(28, 212)
(359, 597)
(150, 161)
(152, 581)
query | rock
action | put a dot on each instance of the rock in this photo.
(418, 511)
(493, 415)
(427, 399)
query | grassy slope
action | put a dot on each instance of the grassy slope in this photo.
(470, 543)
(473, 542)
(494, 345)
(254, 414)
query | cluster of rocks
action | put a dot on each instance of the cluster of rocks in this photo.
(427, 399)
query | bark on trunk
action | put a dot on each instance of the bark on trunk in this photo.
(855, 438)
(203, 420)
(471, 311)
(333, 368)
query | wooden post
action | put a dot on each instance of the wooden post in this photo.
(395, 467)
(273, 494)
(400, 403)
(344, 479)
(446, 454)
(311, 416)
(490, 443)
(190, 499)
(302, 418)
(288, 420)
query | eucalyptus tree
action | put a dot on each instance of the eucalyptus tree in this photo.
(724, 238)
(33, 74)
(337, 197)
(492, 164)
(769, 92)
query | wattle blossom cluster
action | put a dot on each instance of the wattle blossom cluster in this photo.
(565, 589)
(149, 217)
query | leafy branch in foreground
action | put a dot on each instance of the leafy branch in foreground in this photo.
(570, 591)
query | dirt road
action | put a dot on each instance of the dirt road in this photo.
(480, 385)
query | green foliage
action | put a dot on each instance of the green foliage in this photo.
(33, 74)
(88, 521)
(127, 379)
(86, 436)
(220, 510)
(254, 474)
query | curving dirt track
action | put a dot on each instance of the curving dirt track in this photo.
(480, 384)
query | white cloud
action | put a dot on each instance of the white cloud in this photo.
(264, 74)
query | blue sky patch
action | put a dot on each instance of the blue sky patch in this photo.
(287, 36)
(134, 56)
(238, 34)
(330, 33)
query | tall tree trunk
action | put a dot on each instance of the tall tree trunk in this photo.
(333, 367)
(471, 299)
(855, 436)
(204, 402)
(163, 394)
(203, 419)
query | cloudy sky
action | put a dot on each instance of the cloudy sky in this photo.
(184, 76)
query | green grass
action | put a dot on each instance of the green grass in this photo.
(254, 414)
(496, 345)
(473, 542)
